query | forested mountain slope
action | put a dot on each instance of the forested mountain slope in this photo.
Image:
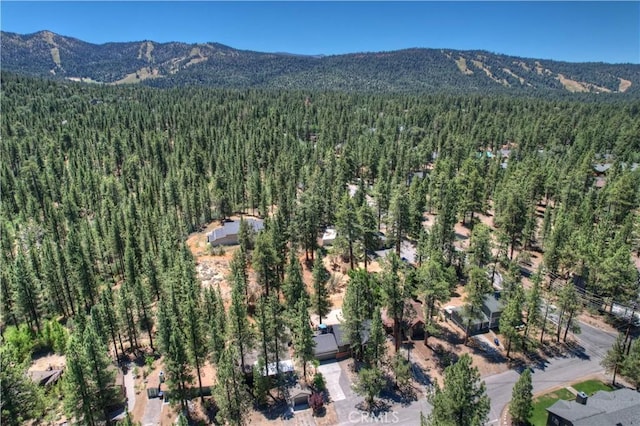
(101, 185)
(211, 64)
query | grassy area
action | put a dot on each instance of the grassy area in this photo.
(592, 386)
(540, 404)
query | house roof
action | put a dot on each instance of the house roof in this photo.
(329, 234)
(618, 408)
(493, 304)
(478, 319)
(233, 228)
(325, 343)
(45, 377)
(417, 319)
(298, 391)
(342, 339)
(286, 366)
(340, 335)
(602, 167)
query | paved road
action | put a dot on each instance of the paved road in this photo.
(553, 372)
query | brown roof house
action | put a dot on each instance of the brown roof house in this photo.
(413, 326)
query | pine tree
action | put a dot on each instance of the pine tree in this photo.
(399, 224)
(375, 351)
(321, 301)
(417, 205)
(293, 286)
(462, 401)
(347, 224)
(171, 338)
(53, 284)
(178, 368)
(307, 221)
(357, 308)
(239, 327)
(476, 288)
(511, 212)
(126, 318)
(434, 283)
(26, 291)
(19, 396)
(369, 231)
(264, 263)
(78, 391)
(569, 307)
(370, 383)
(230, 391)
(303, 342)
(521, 405)
(533, 304)
(631, 365)
(472, 187)
(216, 322)
(614, 359)
(196, 343)
(265, 332)
(141, 297)
(81, 270)
(480, 246)
(511, 317)
(397, 287)
(96, 361)
(401, 371)
(110, 319)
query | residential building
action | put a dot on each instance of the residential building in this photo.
(618, 408)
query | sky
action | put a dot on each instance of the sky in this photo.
(567, 31)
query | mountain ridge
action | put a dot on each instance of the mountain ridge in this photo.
(168, 64)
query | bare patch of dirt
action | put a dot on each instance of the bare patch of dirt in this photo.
(55, 55)
(512, 74)
(542, 70)
(480, 65)
(140, 75)
(578, 86)
(462, 66)
(45, 362)
(624, 85)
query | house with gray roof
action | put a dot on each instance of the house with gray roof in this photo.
(618, 408)
(326, 347)
(332, 341)
(228, 233)
(486, 319)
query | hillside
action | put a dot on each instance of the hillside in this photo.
(211, 64)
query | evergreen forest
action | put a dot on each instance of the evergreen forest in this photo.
(102, 185)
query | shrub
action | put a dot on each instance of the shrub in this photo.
(316, 402)
(318, 382)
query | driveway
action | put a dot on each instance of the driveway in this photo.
(129, 385)
(152, 412)
(332, 372)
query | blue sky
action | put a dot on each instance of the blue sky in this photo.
(569, 31)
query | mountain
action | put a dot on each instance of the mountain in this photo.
(212, 64)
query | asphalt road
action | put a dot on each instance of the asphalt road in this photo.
(593, 344)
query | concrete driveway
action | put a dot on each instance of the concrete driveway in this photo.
(332, 373)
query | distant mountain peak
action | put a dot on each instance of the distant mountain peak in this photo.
(48, 54)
